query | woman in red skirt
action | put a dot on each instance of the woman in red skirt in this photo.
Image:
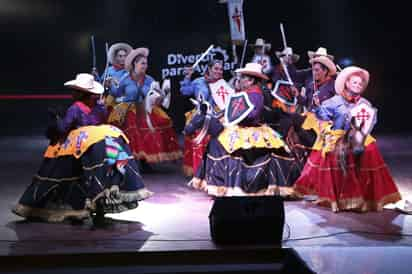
(151, 134)
(342, 174)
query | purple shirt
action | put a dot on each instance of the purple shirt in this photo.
(256, 98)
(79, 115)
(326, 91)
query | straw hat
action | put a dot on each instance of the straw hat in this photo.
(344, 75)
(288, 52)
(253, 69)
(326, 61)
(115, 47)
(261, 43)
(320, 52)
(85, 82)
(129, 59)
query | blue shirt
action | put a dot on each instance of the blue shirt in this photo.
(198, 87)
(130, 91)
(337, 109)
(118, 74)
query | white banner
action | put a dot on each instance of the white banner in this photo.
(237, 26)
(177, 62)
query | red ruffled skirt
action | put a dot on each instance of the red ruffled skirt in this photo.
(193, 154)
(368, 187)
(156, 145)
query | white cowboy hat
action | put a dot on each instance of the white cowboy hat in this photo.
(115, 47)
(345, 73)
(261, 43)
(85, 82)
(320, 52)
(253, 69)
(288, 51)
(326, 62)
(129, 59)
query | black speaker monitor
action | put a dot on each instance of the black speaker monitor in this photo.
(247, 220)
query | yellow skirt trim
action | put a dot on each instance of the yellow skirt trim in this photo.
(236, 137)
(79, 140)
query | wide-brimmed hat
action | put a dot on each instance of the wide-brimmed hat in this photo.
(253, 69)
(320, 52)
(326, 61)
(288, 52)
(129, 59)
(261, 43)
(85, 82)
(344, 75)
(114, 48)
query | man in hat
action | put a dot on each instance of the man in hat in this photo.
(86, 109)
(288, 58)
(261, 57)
(287, 62)
(241, 156)
(320, 87)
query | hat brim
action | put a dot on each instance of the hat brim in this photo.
(266, 46)
(252, 73)
(115, 47)
(344, 75)
(295, 57)
(97, 87)
(326, 62)
(129, 59)
(313, 54)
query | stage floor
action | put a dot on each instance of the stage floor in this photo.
(176, 219)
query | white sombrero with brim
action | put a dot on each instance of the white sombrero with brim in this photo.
(115, 47)
(129, 59)
(320, 52)
(261, 43)
(345, 73)
(253, 69)
(85, 82)
(326, 62)
(288, 52)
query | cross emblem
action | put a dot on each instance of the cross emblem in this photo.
(82, 136)
(236, 17)
(362, 115)
(238, 106)
(222, 92)
(263, 62)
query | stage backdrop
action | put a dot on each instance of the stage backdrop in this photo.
(46, 42)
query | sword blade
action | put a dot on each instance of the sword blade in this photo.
(282, 30)
(93, 51)
(202, 56)
(243, 54)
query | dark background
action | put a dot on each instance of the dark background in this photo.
(46, 42)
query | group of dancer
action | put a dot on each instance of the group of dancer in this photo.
(281, 131)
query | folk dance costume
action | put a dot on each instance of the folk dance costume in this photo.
(86, 166)
(199, 89)
(346, 178)
(285, 113)
(322, 87)
(152, 136)
(242, 159)
(260, 56)
(116, 71)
